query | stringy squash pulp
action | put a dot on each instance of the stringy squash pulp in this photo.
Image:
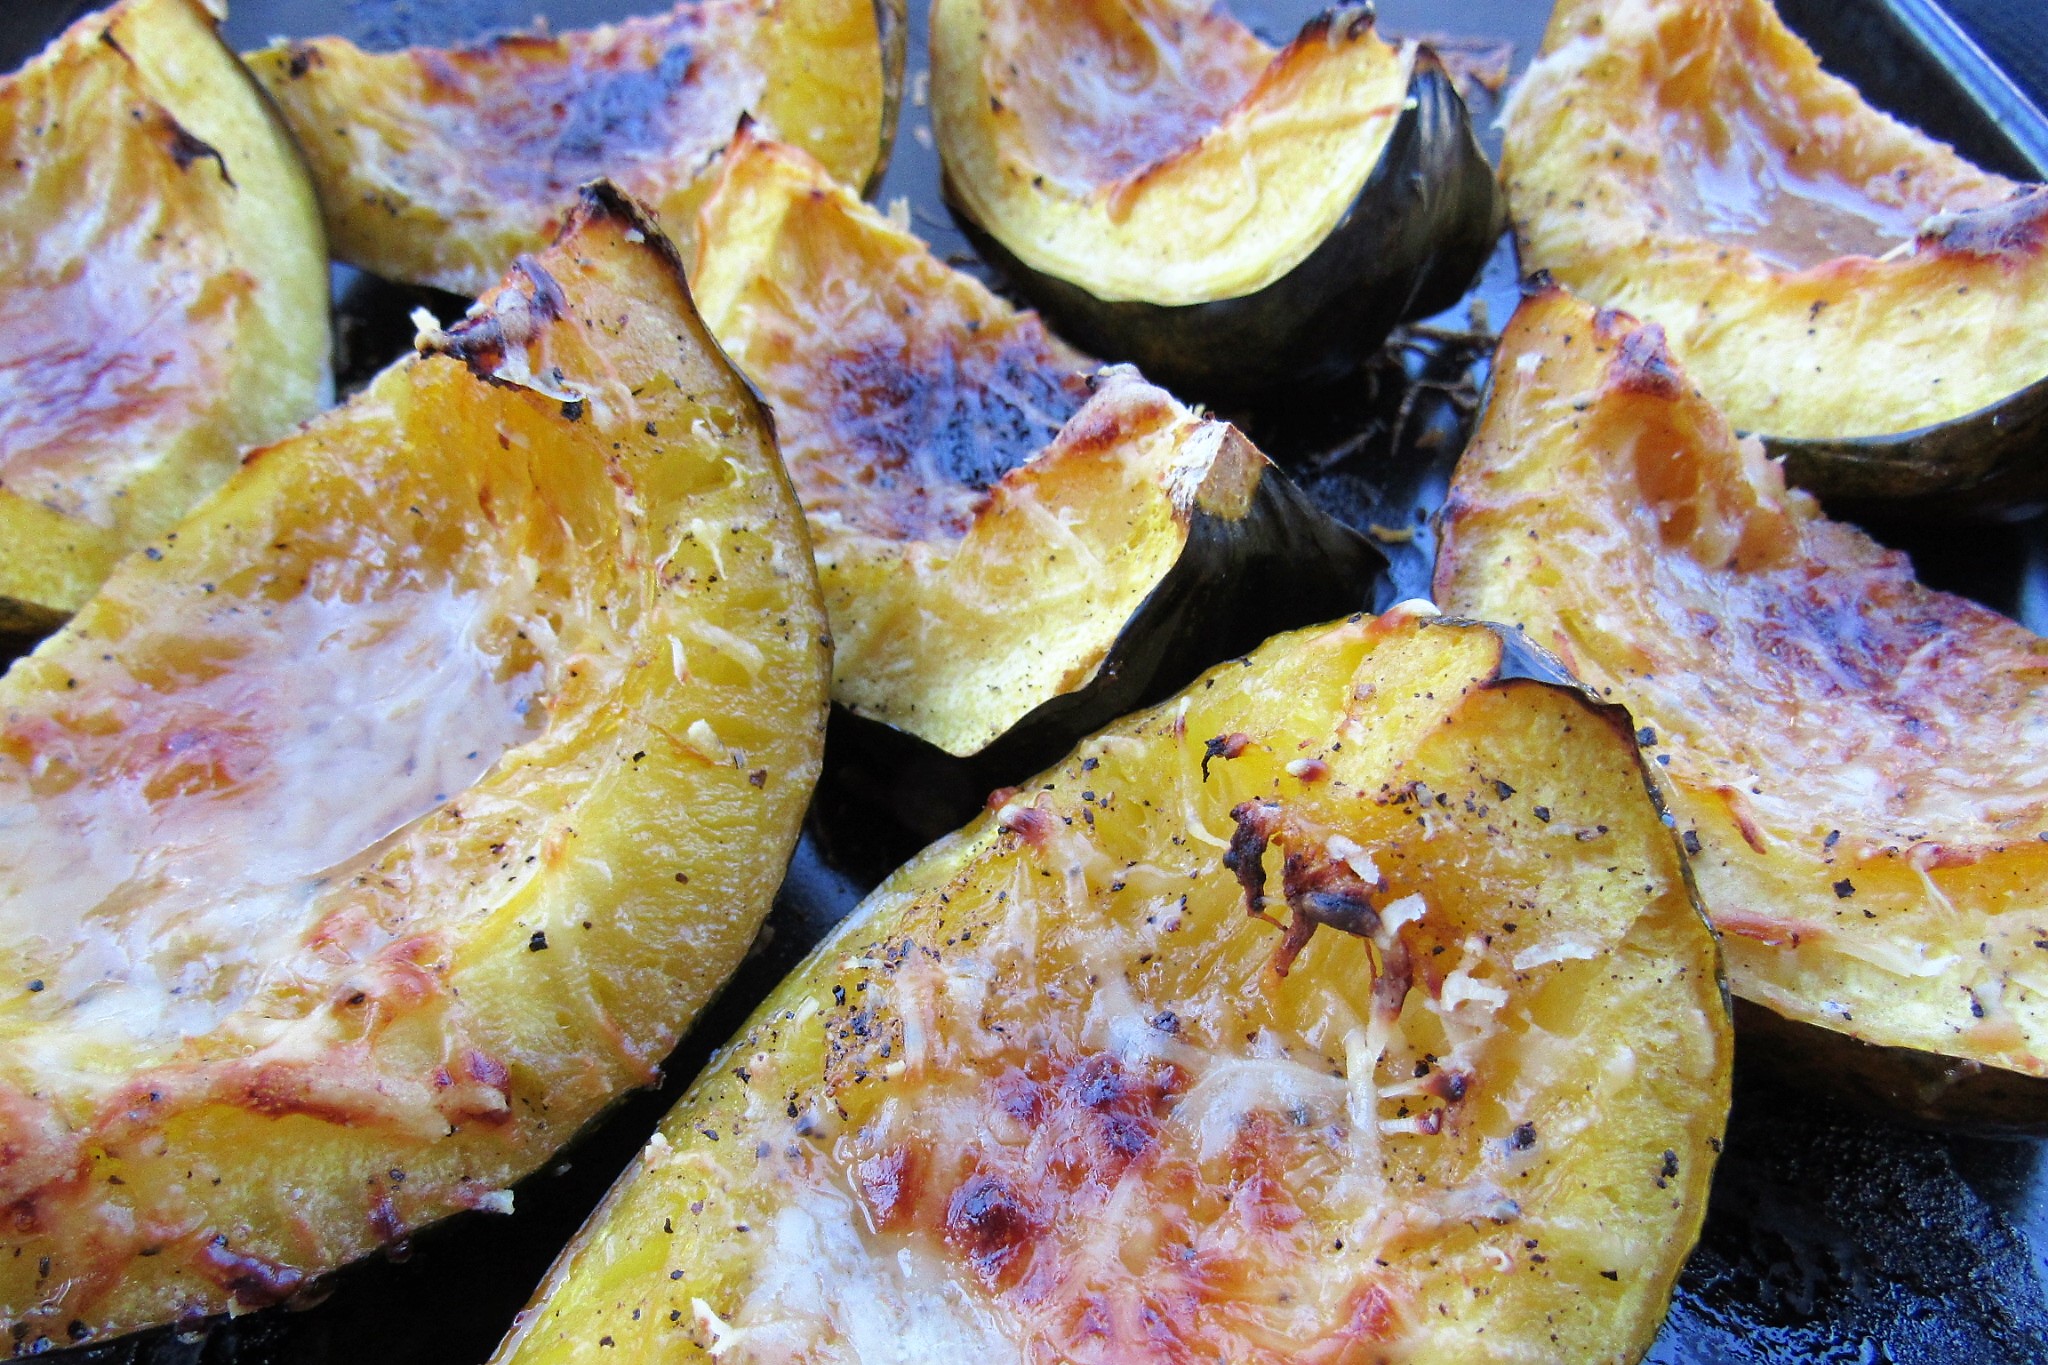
(1855, 760)
(1051, 1093)
(439, 166)
(384, 821)
(163, 293)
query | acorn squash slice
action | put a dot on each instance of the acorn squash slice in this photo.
(1869, 303)
(382, 823)
(1016, 546)
(1450, 1092)
(163, 293)
(1173, 192)
(437, 167)
(1855, 761)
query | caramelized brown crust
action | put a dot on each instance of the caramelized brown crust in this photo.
(165, 298)
(438, 166)
(1134, 85)
(991, 512)
(903, 390)
(1854, 759)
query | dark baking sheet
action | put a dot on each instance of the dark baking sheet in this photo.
(1832, 1236)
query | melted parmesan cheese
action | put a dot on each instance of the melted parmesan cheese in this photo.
(160, 844)
(829, 1295)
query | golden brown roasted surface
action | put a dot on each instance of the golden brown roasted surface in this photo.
(1157, 149)
(1049, 1094)
(439, 166)
(1821, 270)
(991, 512)
(163, 293)
(1857, 760)
(389, 817)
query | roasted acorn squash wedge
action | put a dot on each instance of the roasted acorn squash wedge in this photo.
(1051, 1093)
(1855, 761)
(386, 820)
(1872, 305)
(163, 293)
(1173, 192)
(1015, 545)
(437, 167)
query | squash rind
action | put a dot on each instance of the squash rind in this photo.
(1407, 243)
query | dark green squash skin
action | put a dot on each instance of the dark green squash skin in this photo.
(892, 23)
(1989, 463)
(1284, 564)
(1411, 243)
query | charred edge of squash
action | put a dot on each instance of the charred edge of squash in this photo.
(1523, 662)
(2016, 228)
(479, 341)
(1316, 323)
(181, 143)
(1924, 1089)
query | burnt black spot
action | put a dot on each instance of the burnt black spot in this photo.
(1643, 364)
(989, 1221)
(915, 415)
(1246, 856)
(185, 148)
(626, 110)
(1223, 746)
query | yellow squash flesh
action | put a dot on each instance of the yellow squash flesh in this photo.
(1049, 1095)
(1156, 150)
(438, 167)
(1856, 759)
(383, 822)
(991, 511)
(1821, 270)
(163, 293)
